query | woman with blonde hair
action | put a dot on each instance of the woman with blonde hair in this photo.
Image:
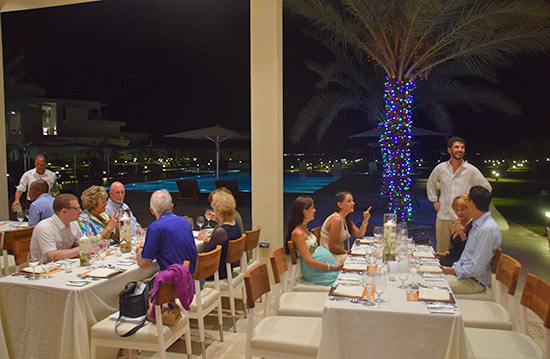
(223, 204)
(93, 220)
(461, 230)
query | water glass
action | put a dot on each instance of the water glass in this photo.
(402, 275)
(33, 259)
(27, 214)
(377, 232)
(200, 222)
(414, 265)
(381, 280)
(47, 263)
(20, 216)
(368, 282)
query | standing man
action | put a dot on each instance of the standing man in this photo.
(42, 203)
(39, 172)
(169, 239)
(115, 203)
(58, 236)
(455, 178)
(471, 274)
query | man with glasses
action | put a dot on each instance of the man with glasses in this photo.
(59, 235)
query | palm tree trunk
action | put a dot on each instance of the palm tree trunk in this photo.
(395, 146)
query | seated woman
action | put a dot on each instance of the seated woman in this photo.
(227, 230)
(237, 216)
(317, 263)
(338, 226)
(93, 220)
(461, 230)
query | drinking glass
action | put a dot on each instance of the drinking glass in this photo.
(27, 213)
(381, 279)
(101, 254)
(377, 232)
(47, 264)
(33, 259)
(200, 222)
(20, 216)
(414, 264)
(402, 275)
(208, 216)
(368, 282)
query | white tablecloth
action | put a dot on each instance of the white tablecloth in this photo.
(45, 318)
(398, 329)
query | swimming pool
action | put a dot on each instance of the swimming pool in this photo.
(293, 182)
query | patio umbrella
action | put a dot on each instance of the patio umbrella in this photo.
(415, 131)
(216, 134)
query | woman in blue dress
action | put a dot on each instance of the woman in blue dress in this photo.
(316, 263)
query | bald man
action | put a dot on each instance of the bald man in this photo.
(116, 204)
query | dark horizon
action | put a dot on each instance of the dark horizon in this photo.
(171, 66)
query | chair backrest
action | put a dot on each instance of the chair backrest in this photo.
(293, 256)
(207, 263)
(230, 185)
(278, 263)
(20, 249)
(252, 239)
(188, 188)
(536, 296)
(317, 232)
(235, 249)
(508, 272)
(257, 283)
(16, 235)
(496, 260)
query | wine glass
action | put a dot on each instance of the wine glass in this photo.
(33, 259)
(381, 279)
(377, 232)
(414, 264)
(403, 275)
(27, 213)
(208, 216)
(101, 254)
(200, 222)
(368, 282)
(47, 264)
(20, 216)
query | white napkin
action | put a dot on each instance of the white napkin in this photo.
(359, 251)
(349, 291)
(423, 254)
(441, 295)
(429, 269)
(102, 272)
(38, 269)
(355, 266)
(366, 240)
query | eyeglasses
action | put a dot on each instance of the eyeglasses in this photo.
(77, 208)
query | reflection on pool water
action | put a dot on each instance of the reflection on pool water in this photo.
(293, 182)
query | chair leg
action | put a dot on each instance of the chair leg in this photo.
(220, 320)
(129, 353)
(93, 349)
(232, 306)
(243, 293)
(203, 350)
(188, 343)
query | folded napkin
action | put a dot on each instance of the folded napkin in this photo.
(38, 269)
(350, 291)
(359, 251)
(366, 240)
(355, 266)
(441, 295)
(423, 254)
(429, 269)
(102, 272)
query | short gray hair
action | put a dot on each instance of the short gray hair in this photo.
(161, 202)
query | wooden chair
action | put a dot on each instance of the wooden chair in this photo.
(235, 280)
(152, 337)
(494, 343)
(231, 185)
(305, 304)
(20, 250)
(277, 336)
(297, 282)
(188, 191)
(317, 232)
(492, 315)
(251, 244)
(207, 299)
(490, 293)
(8, 238)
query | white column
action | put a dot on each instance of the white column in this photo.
(4, 204)
(266, 87)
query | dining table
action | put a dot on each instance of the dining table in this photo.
(401, 327)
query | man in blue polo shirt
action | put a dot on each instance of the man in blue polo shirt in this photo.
(42, 203)
(169, 238)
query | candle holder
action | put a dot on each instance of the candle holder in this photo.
(390, 229)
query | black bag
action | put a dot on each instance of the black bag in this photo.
(132, 306)
(421, 238)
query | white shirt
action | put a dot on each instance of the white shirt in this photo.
(51, 234)
(32, 175)
(453, 184)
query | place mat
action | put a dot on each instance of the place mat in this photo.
(25, 272)
(348, 291)
(355, 267)
(429, 269)
(423, 254)
(102, 273)
(38, 269)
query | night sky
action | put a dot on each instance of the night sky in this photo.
(171, 65)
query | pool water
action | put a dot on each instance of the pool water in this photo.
(293, 182)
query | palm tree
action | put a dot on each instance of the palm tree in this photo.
(409, 40)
